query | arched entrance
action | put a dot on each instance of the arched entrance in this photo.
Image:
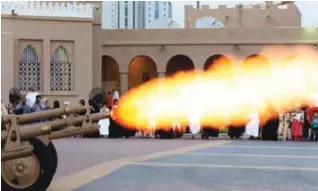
(257, 62)
(141, 69)
(217, 59)
(179, 63)
(110, 74)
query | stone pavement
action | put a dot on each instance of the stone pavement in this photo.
(77, 154)
(208, 165)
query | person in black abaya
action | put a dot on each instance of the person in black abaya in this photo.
(270, 127)
(94, 109)
(209, 131)
(116, 130)
(306, 125)
(236, 131)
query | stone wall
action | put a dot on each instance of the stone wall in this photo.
(210, 36)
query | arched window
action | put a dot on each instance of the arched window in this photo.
(61, 70)
(29, 69)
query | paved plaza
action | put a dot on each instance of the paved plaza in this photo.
(185, 164)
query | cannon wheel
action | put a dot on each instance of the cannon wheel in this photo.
(52, 148)
(36, 174)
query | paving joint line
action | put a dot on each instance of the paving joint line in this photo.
(267, 147)
(225, 166)
(253, 155)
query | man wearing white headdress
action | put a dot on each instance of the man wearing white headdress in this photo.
(252, 127)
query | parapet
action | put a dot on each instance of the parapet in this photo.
(238, 6)
(246, 15)
(31, 8)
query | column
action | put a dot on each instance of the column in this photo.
(123, 82)
(161, 74)
(46, 64)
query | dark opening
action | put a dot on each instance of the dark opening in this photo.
(179, 63)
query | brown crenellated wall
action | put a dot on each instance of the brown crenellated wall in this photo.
(243, 17)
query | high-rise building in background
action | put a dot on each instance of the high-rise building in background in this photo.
(134, 14)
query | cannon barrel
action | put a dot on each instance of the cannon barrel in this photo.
(38, 129)
(52, 113)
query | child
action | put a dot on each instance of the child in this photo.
(297, 127)
(314, 130)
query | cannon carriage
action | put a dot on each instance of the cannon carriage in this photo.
(29, 158)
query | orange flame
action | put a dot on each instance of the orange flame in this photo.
(226, 93)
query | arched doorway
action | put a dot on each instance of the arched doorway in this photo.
(110, 74)
(256, 62)
(217, 59)
(179, 63)
(141, 69)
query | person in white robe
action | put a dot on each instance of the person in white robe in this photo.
(116, 95)
(104, 123)
(252, 127)
(152, 125)
(150, 132)
(45, 104)
(66, 104)
(4, 110)
(31, 97)
(194, 125)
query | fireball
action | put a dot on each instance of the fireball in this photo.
(226, 93)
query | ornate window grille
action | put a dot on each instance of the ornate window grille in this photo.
(61, 70)
(29, 69)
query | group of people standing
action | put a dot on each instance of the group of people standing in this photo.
(28, 103)
(298, 125)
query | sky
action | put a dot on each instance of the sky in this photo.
(308, 9)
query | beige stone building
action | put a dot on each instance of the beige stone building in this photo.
(62, 49)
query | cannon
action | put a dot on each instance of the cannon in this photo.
(28, 157)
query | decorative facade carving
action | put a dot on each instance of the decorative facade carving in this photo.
(31, 8)
(61, 70)
(29, 69)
